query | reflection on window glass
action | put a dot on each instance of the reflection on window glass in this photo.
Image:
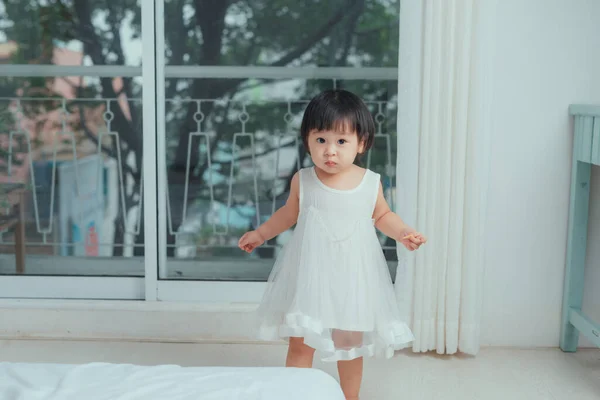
(81, 32)
(70, 147)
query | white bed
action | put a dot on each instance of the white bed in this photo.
(29, 381)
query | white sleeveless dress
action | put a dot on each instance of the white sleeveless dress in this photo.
(330, 283)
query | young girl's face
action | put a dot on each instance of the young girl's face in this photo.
(334, 151)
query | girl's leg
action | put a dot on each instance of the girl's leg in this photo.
(299, 355)
(350, 371)
(350, 377)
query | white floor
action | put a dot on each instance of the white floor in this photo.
(493, 374)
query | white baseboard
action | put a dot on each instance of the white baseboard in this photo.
(127, 320)
(144, 322)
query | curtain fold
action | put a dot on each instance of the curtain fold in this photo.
(442, 170)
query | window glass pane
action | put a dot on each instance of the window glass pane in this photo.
(70, 146)
(70, 32)
(220, 131)
(334, 33)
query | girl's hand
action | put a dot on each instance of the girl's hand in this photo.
(250, 241)
(413, 240)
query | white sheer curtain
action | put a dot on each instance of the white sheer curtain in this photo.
(443, 152)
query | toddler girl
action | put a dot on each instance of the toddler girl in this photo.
(330, 289)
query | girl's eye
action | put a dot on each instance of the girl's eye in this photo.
(341, 141)
(320, 140)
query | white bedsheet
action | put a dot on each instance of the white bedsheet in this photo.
(25, 381)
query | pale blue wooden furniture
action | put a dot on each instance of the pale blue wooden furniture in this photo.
(586, 152)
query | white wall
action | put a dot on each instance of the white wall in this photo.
(546, 57)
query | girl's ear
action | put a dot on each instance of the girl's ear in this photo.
(361, 147)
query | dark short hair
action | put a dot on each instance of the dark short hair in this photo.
(338, 109)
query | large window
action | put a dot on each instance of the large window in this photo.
(225, 87)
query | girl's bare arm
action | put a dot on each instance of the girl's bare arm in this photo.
(393, 226)
(286, 216)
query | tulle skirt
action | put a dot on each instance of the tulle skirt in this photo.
(334, 290)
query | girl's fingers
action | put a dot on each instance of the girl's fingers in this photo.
(417, 238)
(411, 239)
